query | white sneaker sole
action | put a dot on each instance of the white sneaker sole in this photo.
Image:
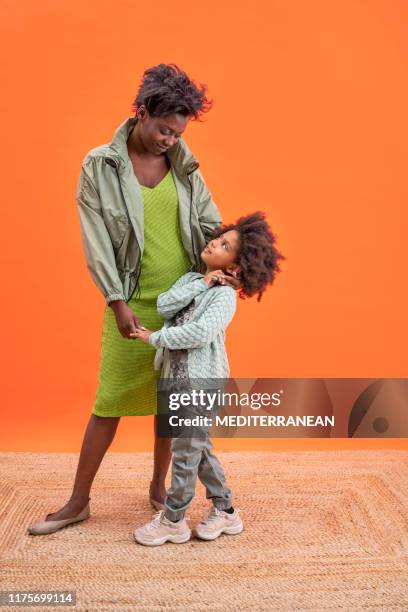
(176, 539)
(228, 530)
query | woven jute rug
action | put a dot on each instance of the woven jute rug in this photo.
(323, 531)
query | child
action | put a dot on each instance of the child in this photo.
(190, 346)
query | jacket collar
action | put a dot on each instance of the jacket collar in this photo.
(179, 154)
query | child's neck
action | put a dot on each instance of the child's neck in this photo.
(209, 270)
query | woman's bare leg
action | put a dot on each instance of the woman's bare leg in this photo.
(98, 437)
(162, 457)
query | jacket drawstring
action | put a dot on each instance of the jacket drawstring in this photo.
(194, 167)
(113, 163)
(137, 288)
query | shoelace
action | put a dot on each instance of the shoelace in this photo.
(155, 523)
(157, 519)
(212, 516)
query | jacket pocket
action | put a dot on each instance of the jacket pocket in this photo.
(117, 225)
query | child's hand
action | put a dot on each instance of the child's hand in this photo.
(142, 334)
(217, 276)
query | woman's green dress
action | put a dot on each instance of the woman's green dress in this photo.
(127, 380)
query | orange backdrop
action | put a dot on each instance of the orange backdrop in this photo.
(309, 124)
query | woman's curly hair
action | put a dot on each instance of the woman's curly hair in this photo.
(257, 256)
(166, 89)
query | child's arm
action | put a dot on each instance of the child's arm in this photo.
(179, 295)
(196, 334)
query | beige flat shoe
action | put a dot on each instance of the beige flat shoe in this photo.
(45, 527)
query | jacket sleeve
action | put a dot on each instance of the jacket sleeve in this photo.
(179, 295)
(96, 241)
(208, 214)
(196, 334)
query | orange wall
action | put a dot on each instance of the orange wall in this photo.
(309, 124)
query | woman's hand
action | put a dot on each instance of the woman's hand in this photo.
(233, 280)
(219, 276)
(126, 320)
(142, 334)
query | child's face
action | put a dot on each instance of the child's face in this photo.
(221, 253)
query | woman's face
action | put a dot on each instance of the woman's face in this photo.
(160, 133)
(221, 253)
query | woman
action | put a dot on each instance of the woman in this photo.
(145, 216)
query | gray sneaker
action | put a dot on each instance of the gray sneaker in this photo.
(161, 530)
(218, 522)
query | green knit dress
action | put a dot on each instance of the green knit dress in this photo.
(127, 379)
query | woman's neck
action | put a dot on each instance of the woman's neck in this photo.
(136, 147)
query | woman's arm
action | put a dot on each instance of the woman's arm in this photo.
(214, 319)
(96, 241)
(180, 295)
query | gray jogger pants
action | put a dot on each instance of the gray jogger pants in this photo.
(194, 457)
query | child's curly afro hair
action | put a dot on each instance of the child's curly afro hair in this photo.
(257, 256)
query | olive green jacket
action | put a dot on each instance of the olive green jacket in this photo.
(110, 205)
